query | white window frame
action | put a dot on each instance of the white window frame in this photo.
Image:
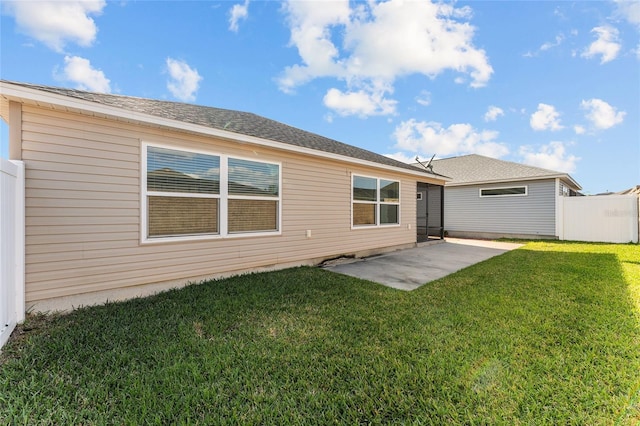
(377, 203)
(277, 231)
(223, 197)
(526, 191)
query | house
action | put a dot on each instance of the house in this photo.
(490, 198)
(127, 196)
(635, 190)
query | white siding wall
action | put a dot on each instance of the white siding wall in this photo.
(83, 210)
(610, 218)
(533, 214)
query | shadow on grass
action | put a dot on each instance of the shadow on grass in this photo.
(557, 318)
(527, 337)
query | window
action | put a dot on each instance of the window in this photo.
(565, 191)
(194, 195)
(253, 196)
(375, 201)
(183, 192)
(514, 191)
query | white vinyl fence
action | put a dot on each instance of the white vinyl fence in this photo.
(601, 218)
(12, 308)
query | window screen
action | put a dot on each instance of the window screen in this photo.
(170, 170)
(253, 185)
(182, 192)
(253, 178)
(182, 216)
(364, 214)
(365, 189)
(252, 215)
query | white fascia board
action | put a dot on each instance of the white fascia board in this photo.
(21, 93)
(569, 179)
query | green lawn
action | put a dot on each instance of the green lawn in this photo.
(546, 334)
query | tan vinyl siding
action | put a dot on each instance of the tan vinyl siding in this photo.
(83, 209)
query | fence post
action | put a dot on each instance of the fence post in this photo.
(559, 212)
(20, 242)
(638, 218)
(12, 231)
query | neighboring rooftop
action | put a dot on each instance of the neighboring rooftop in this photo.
(474, 168)
(631, 191)
(239, 122)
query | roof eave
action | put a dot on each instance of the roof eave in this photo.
(20, 94)
(520, 179)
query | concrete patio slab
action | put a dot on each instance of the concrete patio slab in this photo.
(411, 268)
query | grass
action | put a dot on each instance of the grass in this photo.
(546, 334)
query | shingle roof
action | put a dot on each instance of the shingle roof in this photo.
(474, 168)
(631, 191)
(243, 123)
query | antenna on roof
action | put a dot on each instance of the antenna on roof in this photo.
(428, 166)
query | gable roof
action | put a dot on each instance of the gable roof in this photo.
(225, 123)
(635, 190)
(476, 169)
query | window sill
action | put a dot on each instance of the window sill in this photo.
(391, 225)
(210, 237)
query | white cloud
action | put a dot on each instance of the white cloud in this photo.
(629, 10)
(601, 114)
(428, 138)
(339, 41)
(79, 71)
(310, 25)
(546, 46)
(361, 103)
(184, 81)
(493, 113)
(420, 37)
(55, 23)
(559, 13)
(424, 98)
(238, 13)
(607, 44)
(551, 44)
(552, 156)
(545, 118)
(580, 130)
(401, 156)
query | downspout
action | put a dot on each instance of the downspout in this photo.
(442, 212)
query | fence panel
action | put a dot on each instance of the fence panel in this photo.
(11, 246)
(606, 218)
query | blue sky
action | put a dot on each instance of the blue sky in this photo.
(551, 84)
